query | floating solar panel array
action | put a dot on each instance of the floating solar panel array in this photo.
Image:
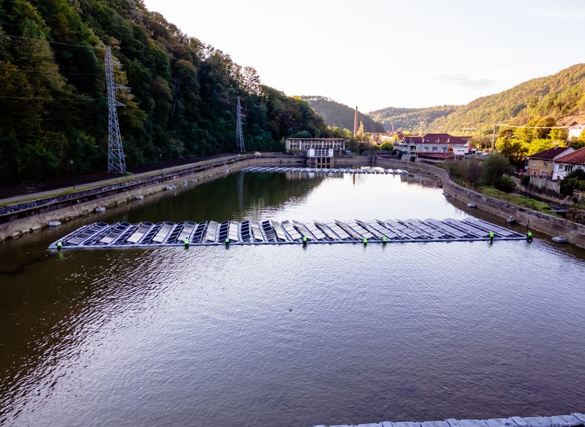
(208, 233)
(328, 171)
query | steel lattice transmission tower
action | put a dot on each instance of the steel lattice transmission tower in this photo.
(116, 158)
(239, 132)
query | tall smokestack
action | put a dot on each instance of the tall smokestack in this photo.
(355, 121)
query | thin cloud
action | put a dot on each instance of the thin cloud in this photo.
(559, 13)
(464, 80)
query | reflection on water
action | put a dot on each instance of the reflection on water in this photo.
(286, 336)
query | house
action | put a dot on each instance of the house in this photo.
(541, 164)
(576, 130)
(568, 163)
(298, 145)
(434, 147)
(575, 125)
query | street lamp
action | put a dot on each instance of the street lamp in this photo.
(72, 172)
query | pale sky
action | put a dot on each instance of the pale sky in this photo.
(382, 53)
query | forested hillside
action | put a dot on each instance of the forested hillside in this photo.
(410, 119)
(556, 96)
(180, 102)
(340, 115)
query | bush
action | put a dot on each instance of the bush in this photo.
(505, 183)
(573, 181)
(469, 170)
(526, 180)
(388, 146)
(494, 167)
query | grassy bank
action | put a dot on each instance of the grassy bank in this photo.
(517, 199)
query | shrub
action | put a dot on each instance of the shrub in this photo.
(573, 181)
(388, 146)
(494, 167)
(526, 180)
(505, 183)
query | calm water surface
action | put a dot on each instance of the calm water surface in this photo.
(281, 335)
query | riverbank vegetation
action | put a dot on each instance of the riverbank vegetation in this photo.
(493, 171)
(573, 181)
(492, 177)
(517, 199)
(179, 94)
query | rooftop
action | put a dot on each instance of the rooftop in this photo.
(437, 138)
(315, 139)
(549, 154)
(577, 157)
(569, 121)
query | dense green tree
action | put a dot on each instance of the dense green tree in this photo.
(573, 181)
(494, 167)
(180, 100)
(388, 146)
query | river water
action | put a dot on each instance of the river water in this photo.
(285, 335)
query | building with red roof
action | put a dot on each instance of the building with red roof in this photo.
(568, 163)
(541, 164)
(434, 146)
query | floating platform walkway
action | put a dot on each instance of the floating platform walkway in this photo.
(573, 420)
(329, 171)
(270, 232)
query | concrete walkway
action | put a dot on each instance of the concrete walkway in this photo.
(573, 420)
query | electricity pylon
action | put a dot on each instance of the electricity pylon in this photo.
(239, 132)
(116, 158)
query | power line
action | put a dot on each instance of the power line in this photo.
(26, 98)
(530, 127)
(50, 42)
(31, 70)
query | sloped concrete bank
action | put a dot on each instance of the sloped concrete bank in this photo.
(538, 221)
(22, 226)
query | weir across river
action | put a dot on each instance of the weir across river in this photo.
(208, 233)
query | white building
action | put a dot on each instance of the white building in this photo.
(294, 145)
(575, 125)
(566, 164)
(434, 146)
(576, 130)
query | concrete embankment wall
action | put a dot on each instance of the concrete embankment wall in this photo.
(538, 221)
(544, 223)
(19, 227)
(355, 161)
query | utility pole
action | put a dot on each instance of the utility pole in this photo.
(355, 122)
(239, 132)
(494, 138)
(116, 157)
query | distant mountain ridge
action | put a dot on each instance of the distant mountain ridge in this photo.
(340, 115)
(558, 95)
(410, 119)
